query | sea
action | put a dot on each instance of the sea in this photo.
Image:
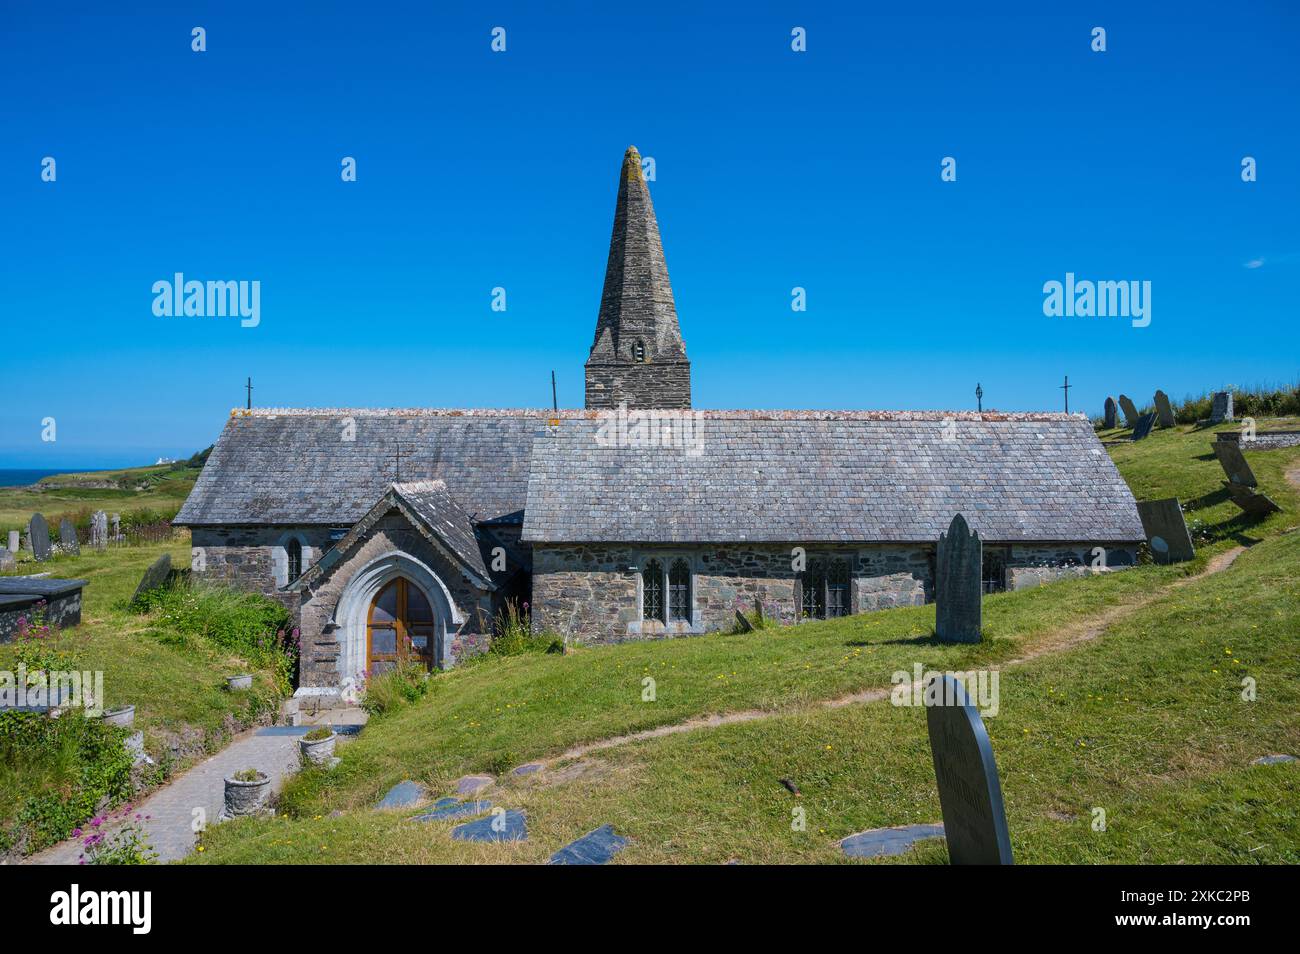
(21, 478)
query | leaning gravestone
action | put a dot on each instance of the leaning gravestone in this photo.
(1164, 410)
(1110, 419)
(13, 541)
(970, 795)
(1142, 428)
(958, 568)
(1166, 530)
(1221, 410)
(1233, 462)
(68, 537)
(7, 561)
(1130, 410)
(154, 577)
(1251, 501)
(40, 534)
(99, 530)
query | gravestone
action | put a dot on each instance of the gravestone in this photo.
(68, 537)
(39, 531)
(13, 541)
(99, 530)
(1142, 428)
(1221, 409)
(974, 820)
(1110, 419)
(1130, 410)
(154, 577)
(1166, 530)
(1233, 462)
(116, 520)
(1255, 504)
(7, 561)
(1164, 410)
(957, 584)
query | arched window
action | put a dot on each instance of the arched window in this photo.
(679, 592)
(652, 591)
(293, 552)
(638, 350)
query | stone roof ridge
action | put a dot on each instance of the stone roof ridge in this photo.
(544, 414)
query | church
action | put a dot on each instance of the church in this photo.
(398, 535)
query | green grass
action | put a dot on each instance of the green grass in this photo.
(1135, 722)
(177, 685)
(1147, 722)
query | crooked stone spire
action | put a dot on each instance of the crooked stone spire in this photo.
(638, 357)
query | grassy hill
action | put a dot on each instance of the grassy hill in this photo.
(159, 489)
(1120, 692)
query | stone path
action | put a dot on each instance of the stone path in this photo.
(170, 830)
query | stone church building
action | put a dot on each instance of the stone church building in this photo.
(400, 534)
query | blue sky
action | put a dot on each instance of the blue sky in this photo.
(774, 169)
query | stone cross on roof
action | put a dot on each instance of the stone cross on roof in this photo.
(638, 356)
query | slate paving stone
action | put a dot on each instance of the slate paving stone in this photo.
(285, 730)
(512, 824)
(593, 848)
(1274, 759)
(528, 769)
(445, 812)
(472, 784)
(403, 795)
(888, 841)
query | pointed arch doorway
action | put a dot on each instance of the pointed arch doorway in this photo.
(400, 628)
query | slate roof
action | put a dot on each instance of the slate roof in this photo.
(292, 466)
(826, 477)
(431, 510)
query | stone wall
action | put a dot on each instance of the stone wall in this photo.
(650, 384)
(593, 592)
(247, 557)
(60, 612)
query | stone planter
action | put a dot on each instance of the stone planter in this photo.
(237, 683)
(122, 716)
(247, 798)
(319, 752)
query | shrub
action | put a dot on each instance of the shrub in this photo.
(248, 775)
(395, 689)
(245, 623)
(512, 633)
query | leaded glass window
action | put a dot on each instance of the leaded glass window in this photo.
(837, 588)
(652, 591)
(813, 584)
(293, 551)
(824, 589)
(679, 592)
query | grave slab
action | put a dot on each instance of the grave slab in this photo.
(472, 784)
(446, 809)
(406, 794)
(1166, 530)
(879, 842)
(1234, 463)
(594, 848)
(508, 826)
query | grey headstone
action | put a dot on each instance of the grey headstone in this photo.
(40, 533)
(957, 584)
(888, 841)
(506, 826)
(447, 809)
(116, 521)
(1221, 409)
(1233, 462)
(1111, 415)
(68, 537)
(593, 848)
(7, 561)
(1166, 529)
(743, 623)
(1255, 504)
(14, 541)
(1143, 427)
(157, 574)
(99, 530)
(1164, 410)
(974, 820)
(403, 795)
(1130, 410)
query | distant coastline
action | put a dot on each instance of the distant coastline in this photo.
(23, 477)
